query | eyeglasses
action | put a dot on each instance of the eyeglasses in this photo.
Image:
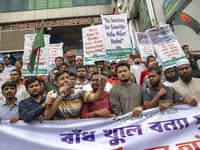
(69, 56)
(97, 80)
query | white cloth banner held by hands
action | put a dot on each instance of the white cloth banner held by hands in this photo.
(175, 128)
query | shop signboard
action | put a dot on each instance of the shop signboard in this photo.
(44, 55)
(116, 35)
(144, 15)
(40, 4)
(53, 3)
(93, 44)
(166, 45)
(66, 3)
(171, 6)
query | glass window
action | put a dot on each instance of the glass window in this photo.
(53, 3)
(91, 2)
(79, 2)
(102, 2)
(28, 5)
(14, 5)
(3, 6)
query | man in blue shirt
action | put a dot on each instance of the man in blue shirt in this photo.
(158, 95)
(7, 68)
(33, 107)
(9, 108)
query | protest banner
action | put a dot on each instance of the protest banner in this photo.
(133, 37)
(116, 35)
(55, 50)
(44, 55)
(2, 81)
(145, 45)
(176, 128)
(166, 45)
(93, 44)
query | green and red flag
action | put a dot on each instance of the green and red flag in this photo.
(37, 44)
(184, 19)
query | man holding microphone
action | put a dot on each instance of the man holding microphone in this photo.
(69, 103)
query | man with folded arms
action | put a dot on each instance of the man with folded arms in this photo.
(157, 94)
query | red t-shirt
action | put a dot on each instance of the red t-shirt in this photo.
(104, 102)
(144, 73)
(112, 79)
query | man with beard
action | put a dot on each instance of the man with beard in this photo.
(15, 77)
(114, 80)
(81, 73)
(101, 108)
(126, 96)
(88, 87)
(187, 86)
(33, 107)
(157, 94)
(170, 76)
(9, 107)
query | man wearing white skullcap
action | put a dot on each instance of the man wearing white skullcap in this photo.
(187, 86)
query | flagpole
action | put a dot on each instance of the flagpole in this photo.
(38, 61)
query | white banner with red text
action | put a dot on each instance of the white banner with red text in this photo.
(166, 45)
(176, 128)
(55, 50)
(44, 55)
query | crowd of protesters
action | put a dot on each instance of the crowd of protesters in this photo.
(73, 90)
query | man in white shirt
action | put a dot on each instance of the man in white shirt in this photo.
(21, 90)
(137, 68)
(7, 68)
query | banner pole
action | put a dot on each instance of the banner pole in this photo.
(38, 62)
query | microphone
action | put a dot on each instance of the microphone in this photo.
(54, 95)
(63, 93)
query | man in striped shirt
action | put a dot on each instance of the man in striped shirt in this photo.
(9, 108)
(69, 105)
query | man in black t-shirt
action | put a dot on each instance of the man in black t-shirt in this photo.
(192, 57)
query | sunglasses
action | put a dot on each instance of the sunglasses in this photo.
(70, 57)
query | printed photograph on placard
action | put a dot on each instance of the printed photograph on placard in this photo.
(166, 45)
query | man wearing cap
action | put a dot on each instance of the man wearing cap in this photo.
(187, 86)
(70, 60)
(114, 80)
